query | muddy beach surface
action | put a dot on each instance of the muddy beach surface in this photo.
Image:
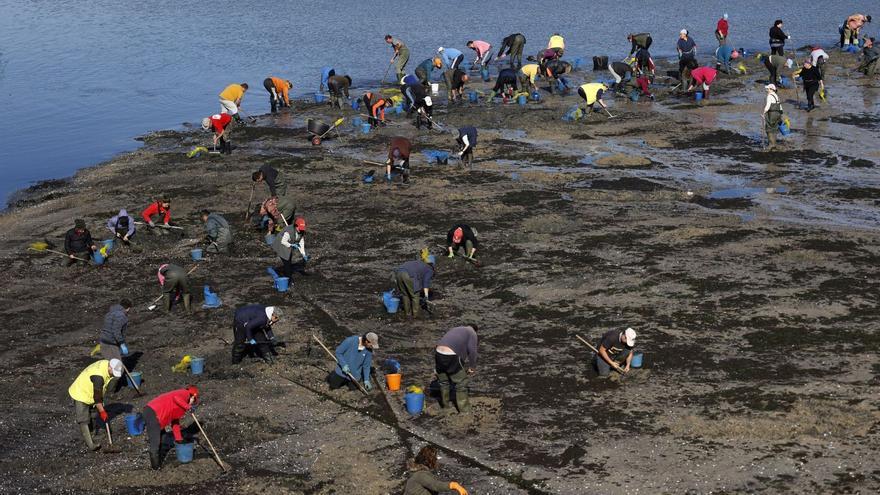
(750, 276)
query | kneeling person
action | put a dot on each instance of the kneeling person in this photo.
(461, 236)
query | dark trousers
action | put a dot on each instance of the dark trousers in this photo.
(777, 50)
(773, 74)
(516, 51)
(273, 96)
(604, 368)
(160, 442)
(408, 295)
(811, 90)
(422, 74)
(335, 381)
(239, 347)
(456, 62)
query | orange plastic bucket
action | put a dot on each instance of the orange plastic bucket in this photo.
(393, 381)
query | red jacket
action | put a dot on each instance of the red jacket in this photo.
(169, 408)
(156, 209)
(220, 121)
(722, 27)
(704, 75)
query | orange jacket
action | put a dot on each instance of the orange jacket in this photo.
(282, 87)
(377, 105)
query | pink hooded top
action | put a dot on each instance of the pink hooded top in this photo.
(481, 47)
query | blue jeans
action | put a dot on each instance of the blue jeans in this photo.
(605, 368)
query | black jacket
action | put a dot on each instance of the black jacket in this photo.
(251, 319)
(811, 76)
(78, 241)
(468, 235)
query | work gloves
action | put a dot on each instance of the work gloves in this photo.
(123, 349)
(368, 386)
(450, 255)
(151, 223)
(252, 342)
(346, 369)
(103, 415)
(453, 485)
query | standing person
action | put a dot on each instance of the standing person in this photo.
(687, 52)
(411, 279)
(505, 84)
(163, 411)
(122, 225)
(78, 243)
(774, 64)
(273, 178)
(88, 391)
(483, 51)
(812, 77)
(354, 358)
(772, 114)
(423, 481)
(376, 105)
(219, 125)
(173, 280)
(703, 76)
(218, 234)
(467, 141)
(291, 239)
(252, 325)
(512, 46)
(451, 57)
(461, 236)
(230, 99)
(326, 73)
(527, 76)
(278, 92)
(613, 347)
(161, 207)
(557, 44)
(426, 69)
(621, 72)
(401, 55)
(455, 80)
(777, 38)
(722, 29)
(852, 26)
(592, 93)
(398, 157)
(640, 41)
(338, 86)
(457, 347)
(112, 337)
(870, 55)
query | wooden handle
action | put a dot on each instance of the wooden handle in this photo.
(216, 455)
(350, 377)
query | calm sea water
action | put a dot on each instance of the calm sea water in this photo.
(79, 79)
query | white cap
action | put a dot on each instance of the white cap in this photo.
(630, 335)
(270, 310)
(428, 101)
(771, 87)
(725, 16)
(683, 31)
(789, 63)
(206, 123)
(116, 367)
(440, 49)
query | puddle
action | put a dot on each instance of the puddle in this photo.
(745, 192)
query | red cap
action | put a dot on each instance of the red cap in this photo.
(457, 236)
(193, 391)
(300, 224)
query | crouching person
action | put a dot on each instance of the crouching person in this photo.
(252, 326)
(354, 357)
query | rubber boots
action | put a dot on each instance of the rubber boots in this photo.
(166, 302)
(155, 463)
(187, 300)
(444, 399)
(87, 436)
(462, 402)
(407, 304)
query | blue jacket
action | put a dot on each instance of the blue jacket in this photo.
(115, 323)
(449, 55)
(358, 361)
(420, 272)
(251, 318)
(428, 66)
(326, 73)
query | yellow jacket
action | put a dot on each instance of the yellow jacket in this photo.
(233, 93)
(592, 91)
(530, 70)
(556, 42)
(82, 389)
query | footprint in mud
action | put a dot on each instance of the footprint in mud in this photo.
(485, 416)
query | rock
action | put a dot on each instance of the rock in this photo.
(621, 160)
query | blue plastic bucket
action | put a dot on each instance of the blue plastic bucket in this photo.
(636, 360)
(134, 423)
(484, 72)
(184, 452)
(97, 258)
(698, 96)
(784, 130)
(365, 127)
(197, 365)
(319, 97)
(521, 99)
(356, 122)
(398, 109)
(392, 304)
(473, 97)
(536, 96)
(196, 254)
(137, 376)
(414, 403)
(577, 63)
(271, 271)
(282, 284)
(109, 243)
(355, 104)
(270, 238)
(784, 82)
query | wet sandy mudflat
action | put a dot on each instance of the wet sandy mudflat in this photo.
(755, 299)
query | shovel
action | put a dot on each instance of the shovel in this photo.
(225, 467)
(350, 377)
(110, 448)
(247, 212)
(128, 374)
(41, 247)
(332, 127)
